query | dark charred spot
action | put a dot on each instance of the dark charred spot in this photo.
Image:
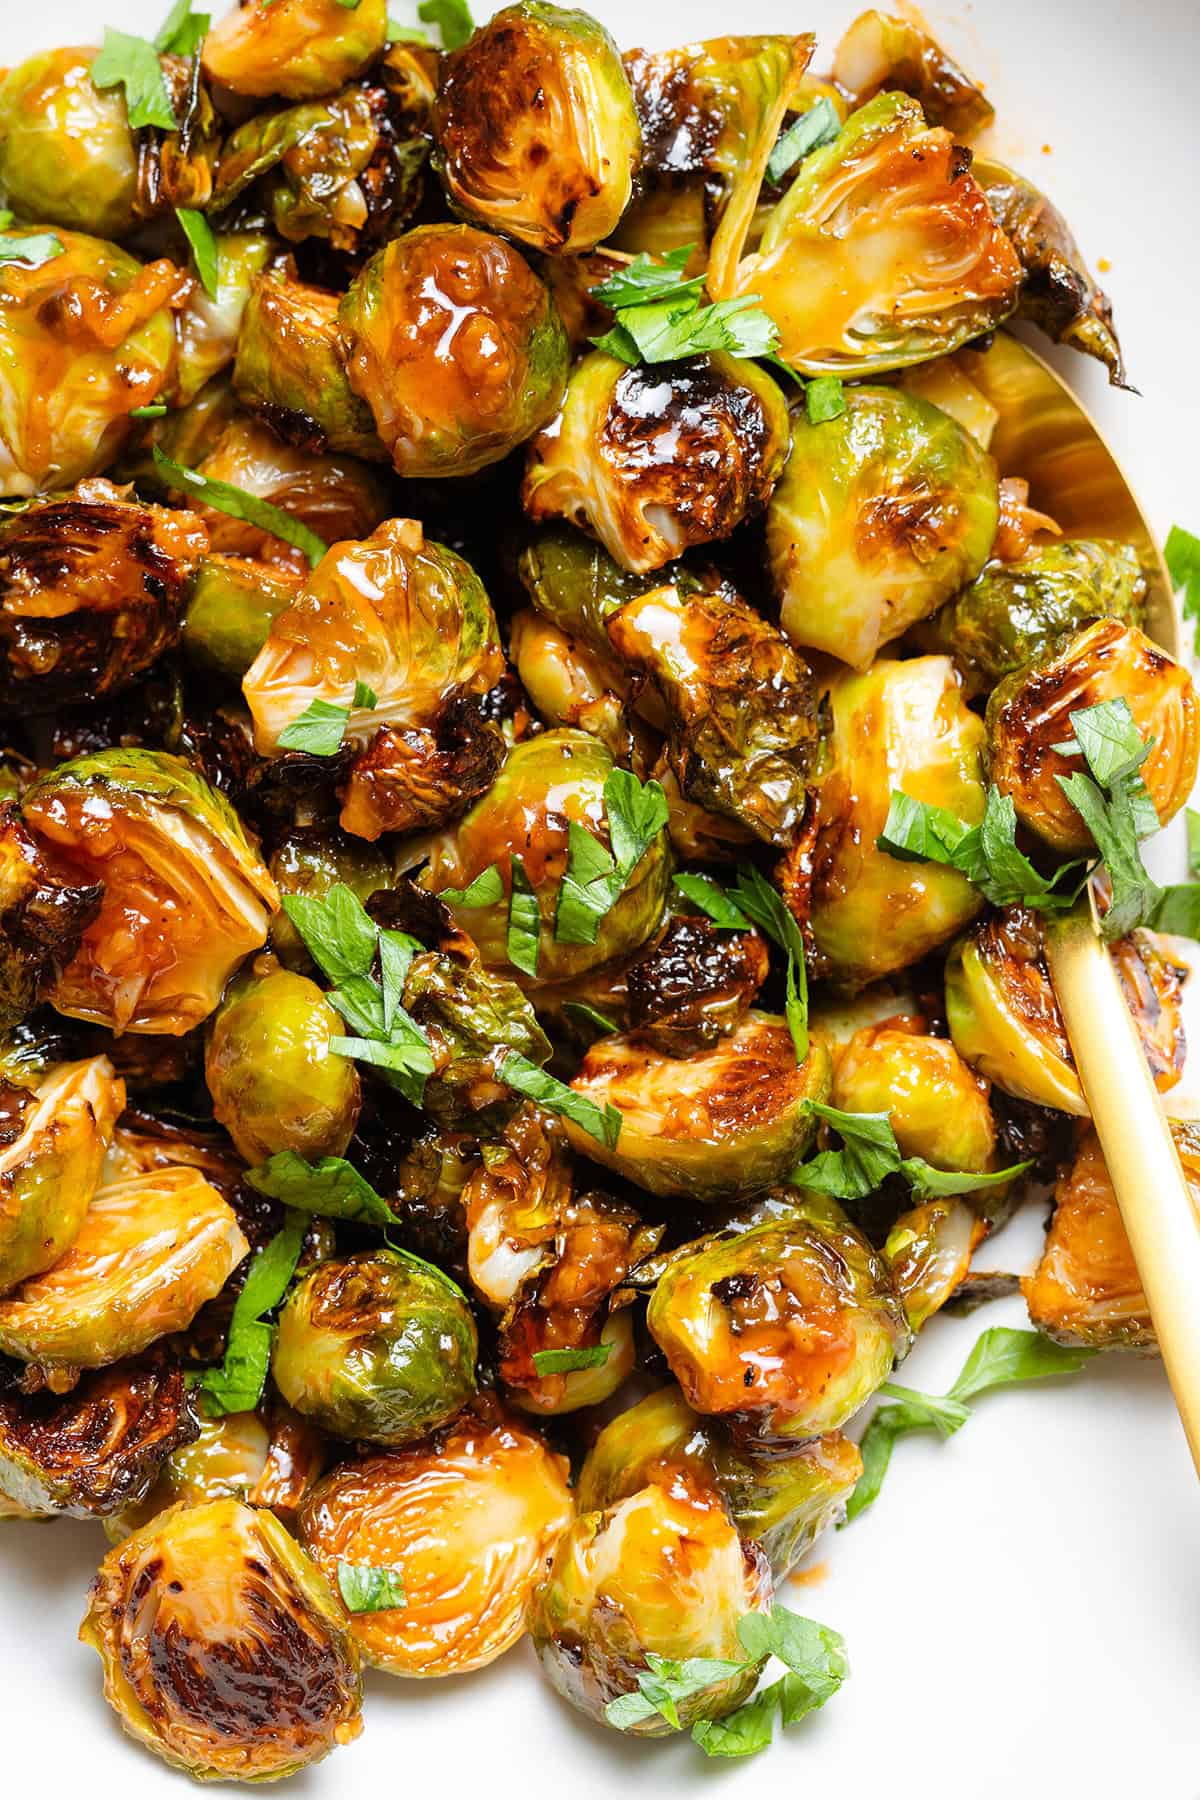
(413, 778)
(695, 984)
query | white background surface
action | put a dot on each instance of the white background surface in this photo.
(1022, 1607)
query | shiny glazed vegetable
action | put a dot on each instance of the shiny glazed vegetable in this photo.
(301, 49)
(50, 1167)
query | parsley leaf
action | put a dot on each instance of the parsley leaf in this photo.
(824, 399)
(452, 18)
(562, 1362)
(649, 278)
(712, 900)
(1182, 553)
(237, 1384)
(367, 1590)
(131, 63)
(524, 920)
(338, 932)
(583, 1014)
(603, 1124)
(754, 896)
(398, 33)
(1193, 841)
(237, 504)
(1001, 1357)
(1114, 750)
(485, 890)
(331, 1188)
(870, 1153)
(156, 411)
(986, 853)
(29, 248)
(182, 31)
(595, 878)
(819, 125)
(318, 730)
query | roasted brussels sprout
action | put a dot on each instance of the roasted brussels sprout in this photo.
(308, 160)
(99, 1448)
(275, 1083)
(881, 515)
(378, 1346)
(741, 706)
(782, 1501)
(229, 616)
(209, 325)
(663, 1572)
(67, 154)
(695, 985)
(86, 337)
(547, 782)
(299, 49)
(185, 896)
(938, 1106)
(1004, 1017)
(92, 590)
(1086, 1288)
(928, 1254)
(784, 1330)
(455, 346)
(906, 726)
(725, 1122)
(536, 130)
(1013, 612)
(290, 369)
(1057, 292)
(577, 585)
(880, 51)
(569, 683)
(1028, 720)
(56, 1133)
(472, 1020)
(883, 252)
(655, 459)
(151, 1250)
(467, 1520)
(44, 912)
(224, 1650)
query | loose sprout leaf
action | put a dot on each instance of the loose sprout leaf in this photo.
(182, 31)
(584, 1014)
(237, 504)
(332, 1188)
(158, 410)
(870, 1153)
(1001, 1357)
(199, 234)
(604, 1124)
(452, 18)
(364, 697)
(986, 853)
(712, 900)
(753, 894)
(131, 63)
(562, 1362)
(1182, 552)
(650, 278)
(237, 1384)
(524, 921)
(368, 1590)
(485, 890)
(819, 125)
(31, 248)
(318, 731)
(339, 934)
(824, 399)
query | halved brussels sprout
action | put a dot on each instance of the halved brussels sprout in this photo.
(275, 1083)
(577, 585)
(725, 1122)
(784, 1330)
(1028, 718)
(290, 369)
(928, 1254)
(1057, 292)
(513, 1202)
(1014, 611)
(694, 985)
(86, 337)
(782, 1501)
(56, 1135)
(547, 781)
(937, 1104)
(67, 154)
(741, 706)
(658, 458)
(467, 1520)
(883, 252)
(662, 1572)
(92, 589)
(209, 325)
(536, 130)
(299, 49)
(43, 915)
(455, 345)
(101, 1447)
(1004, 1018)
(185, 896)
(880, 515)
(230, 613)
(905, 726)
(151, 1250)
(1086, 1288)
(473, 1021)
(569, 683)
(223, 1647)
(880, 51)
(378, 1346)
(308, 160)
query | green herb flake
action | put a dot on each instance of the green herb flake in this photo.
(603, 1124)
(237, 504)
(824, 399)
(712, 900)
(524, 920)
(649, 278)
(368, 1590)
(1182, 553)
(158, 410)
(182, 31)
(754, 896)
(331, 1188)
(131, 63)
(870, 1153)
(563, 1362)
(318, 730)
(338, 932)
(452, 18)
(486, 889)
(205, 258)
(819, 125)
(236, 1385)
(583, 1014)
(31, 249)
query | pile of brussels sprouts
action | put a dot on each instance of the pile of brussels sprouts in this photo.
(539, 750)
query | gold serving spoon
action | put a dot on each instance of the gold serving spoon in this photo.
(1045, 435)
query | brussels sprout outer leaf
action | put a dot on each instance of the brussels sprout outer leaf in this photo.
(332, 1188)
(131, 63)
(452, 18)
(562, 1362)
(368, 1590)
(602, 1124)
(819, 125)
(712, 900)
(524, 921)
(182, 31)
(755, 896)
(824, 398)
(31, 249)
(237, 1385)
(485, 890)
(236, 504)
(318, 730)
(1182, 551)
(199, 234)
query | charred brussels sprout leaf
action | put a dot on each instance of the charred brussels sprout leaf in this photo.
(456, 346)
(299, 49)
(61, 1126)
(196, 1617)
(43, 915)
(185, 896)
(378, 1346)
(654, 461)
(880, 51)
(535, 127)
(475, 1023)
(696, 983)
(843, 304)
(465, 1521)
(882, 513)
